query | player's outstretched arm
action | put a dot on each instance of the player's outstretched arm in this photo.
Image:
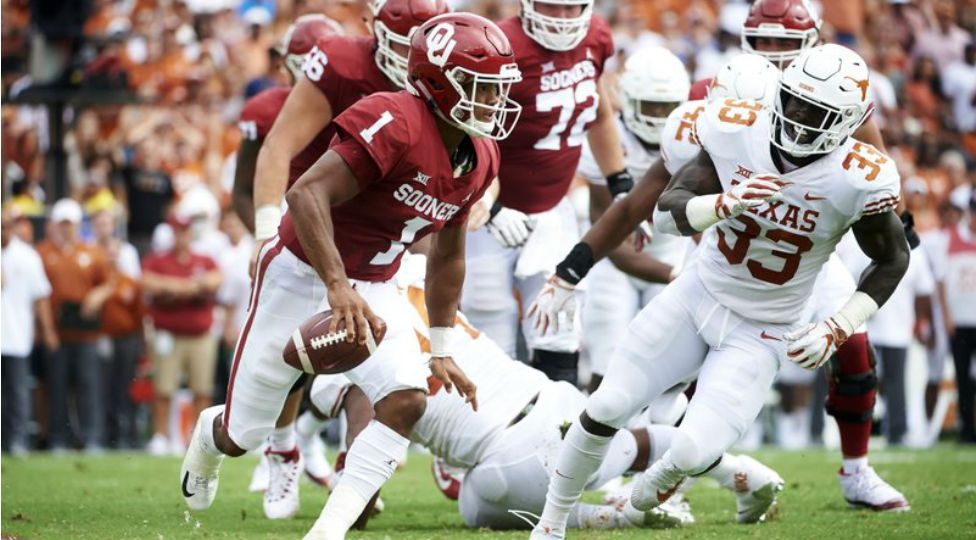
(445, 275)
(304, 114)
(243, 193)
(608, 151)
(694, 200)
(328, 183)
(882, 238)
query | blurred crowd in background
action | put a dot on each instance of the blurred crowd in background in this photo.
(163, 271)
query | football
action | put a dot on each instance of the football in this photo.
(313, 349)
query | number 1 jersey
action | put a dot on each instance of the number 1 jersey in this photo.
(559, 99)
(763, 263)
(408, 190)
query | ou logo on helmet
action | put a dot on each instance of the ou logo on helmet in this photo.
(440, 43)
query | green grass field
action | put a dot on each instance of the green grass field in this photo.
(133, 496)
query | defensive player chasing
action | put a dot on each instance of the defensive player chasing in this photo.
(404, 165)
(773, 189)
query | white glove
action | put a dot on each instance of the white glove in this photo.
(749, 194)
(644, 235)
(510, 227)
(810, 347)
(556, 299)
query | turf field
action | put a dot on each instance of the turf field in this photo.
(134, 496)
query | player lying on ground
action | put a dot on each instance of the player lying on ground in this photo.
(509, 445)
(404, 165)
(774, 189)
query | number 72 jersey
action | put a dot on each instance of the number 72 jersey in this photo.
(763, 264)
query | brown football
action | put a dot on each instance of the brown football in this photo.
(313, 349)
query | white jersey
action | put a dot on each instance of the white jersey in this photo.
(667, 248)
(763, 264)
(449, 427)
(679, 144)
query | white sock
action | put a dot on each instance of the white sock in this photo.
(308, 424)
(370, 462)
(207, 442)
(579, 457)
(851, 465)
(660, 441)
(283, 439)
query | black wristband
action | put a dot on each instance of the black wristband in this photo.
(908, 222)
(577, 264)
(620, 182)
(495, 209)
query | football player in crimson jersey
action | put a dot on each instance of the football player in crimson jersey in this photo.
(780, 30)
(561, 48)
(280, 465)
(402, 166)
(338, 72)
(260, 111)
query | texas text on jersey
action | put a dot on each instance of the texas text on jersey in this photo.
(559, 99)
(384, 139)
(763, 264)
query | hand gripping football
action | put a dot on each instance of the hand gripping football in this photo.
(313, 349)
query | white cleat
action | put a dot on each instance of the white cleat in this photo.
(200, 472)
(656, 486)
(259, 478)
(865, 489)
(281, 498)
(540, 532)
(317, 467)
(755, 486)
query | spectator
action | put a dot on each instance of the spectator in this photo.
(79, 274)
(959, 85)
(960, 289)
(945, 42)
(26, 294)
(146, 191)
(182, 286)
(122, 317)
(124, 255)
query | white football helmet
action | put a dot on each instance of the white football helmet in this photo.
(746, 76)
(652, 75)
(556, 33)
(830, 81)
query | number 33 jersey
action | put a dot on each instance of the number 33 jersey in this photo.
(763, 264)
(407, 187)
(559, 99)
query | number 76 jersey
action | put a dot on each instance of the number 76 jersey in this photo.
(763, 263)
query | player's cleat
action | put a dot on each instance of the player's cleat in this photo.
(259, 478)
(755, 486)
(200, 471)
(656, 486)
(865, 489)
(447, 478)
(675, 512)
(540, 532)
(317, 467)
(281, 498)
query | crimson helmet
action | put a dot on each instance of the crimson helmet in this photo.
(463, 65)
(301, 37)
(393, 22)
(781, 19)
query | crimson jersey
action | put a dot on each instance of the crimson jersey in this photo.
(344, 70)
(559, 99)
(259, 113)
(407, 184)
(699, 90)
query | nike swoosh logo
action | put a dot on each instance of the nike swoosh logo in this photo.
(811, 197)
(561, 475)
(663, 497)
(186, 492)
(770, 337)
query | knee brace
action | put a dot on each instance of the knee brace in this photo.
(853, 381)
(558, 366)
